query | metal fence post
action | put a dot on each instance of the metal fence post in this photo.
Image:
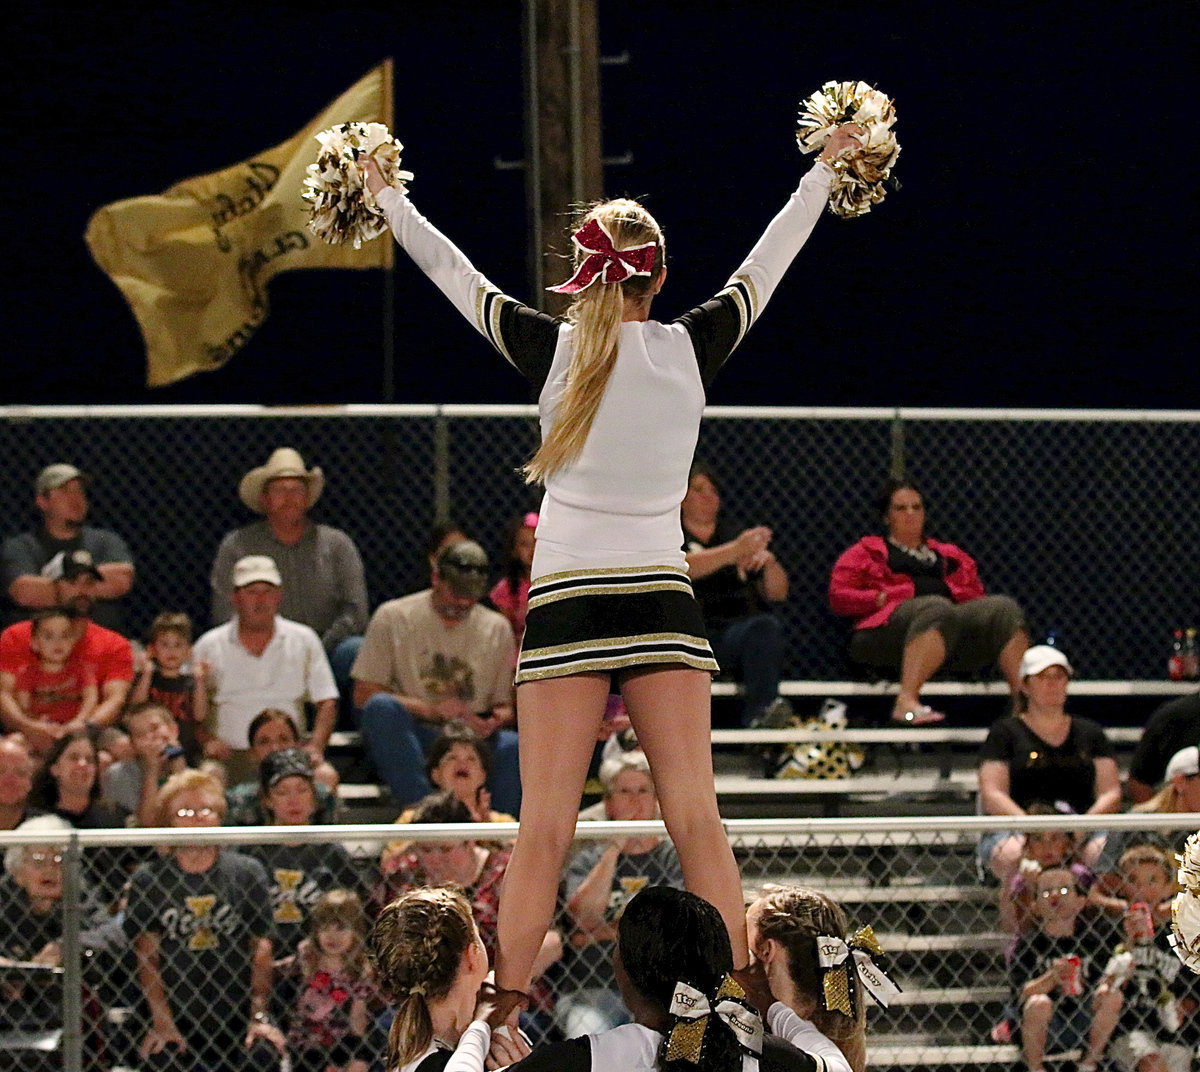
(897, 468)
(441, 468)
(72, 957)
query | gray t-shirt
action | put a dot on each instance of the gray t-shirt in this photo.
(323, 583)
(26, 554)
(409, 650)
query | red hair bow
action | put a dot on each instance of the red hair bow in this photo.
(605, 261)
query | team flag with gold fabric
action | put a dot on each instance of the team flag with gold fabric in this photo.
(194, 261)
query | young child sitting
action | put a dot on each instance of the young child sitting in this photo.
(1052, 974)
(157, 754)
(51, 693)
(1146, 999)
(1043, 849)
(333, 1024)
(163, 679)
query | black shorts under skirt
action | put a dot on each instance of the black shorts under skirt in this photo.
(610, 619)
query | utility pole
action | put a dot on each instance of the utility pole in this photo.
(562, 131)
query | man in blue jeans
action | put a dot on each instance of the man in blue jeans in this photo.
(431, 658)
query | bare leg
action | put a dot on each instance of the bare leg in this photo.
(1035, 1023)
(669, 708)
(1009, 661)
(1105, 1010)
(922, 657)
(559, 720)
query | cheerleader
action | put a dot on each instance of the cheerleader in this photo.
(620, 402)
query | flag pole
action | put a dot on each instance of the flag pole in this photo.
(388, 387)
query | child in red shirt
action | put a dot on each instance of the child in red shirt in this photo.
(51, 686)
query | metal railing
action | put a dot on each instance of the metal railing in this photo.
(916, 880)
(1086, 517)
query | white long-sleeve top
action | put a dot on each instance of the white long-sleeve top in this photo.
(617, 503)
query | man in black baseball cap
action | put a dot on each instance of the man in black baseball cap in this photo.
(33, 562)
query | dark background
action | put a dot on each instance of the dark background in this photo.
(1036, 255)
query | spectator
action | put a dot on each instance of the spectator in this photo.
(107, 653)
(271, 731)
(1173, 726)
(331, 1024)
(459, 761)
(510, 596)
(599, 882)
(1145, 993)
(1043, 850)
(918, 605)
(16, 780)
(1043, 754)
(1179, 794)
(31, 925)
(199, 919)
(479, 870)
(133, 784)
(52, 689)
(736, 578)
(323, 582)
(298, 873)
(67, 784)
(1053, 975)
(432, 657)
(165, 679)
(260, 660)
(33, 560)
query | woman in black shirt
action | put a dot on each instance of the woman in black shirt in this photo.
(1042, 754)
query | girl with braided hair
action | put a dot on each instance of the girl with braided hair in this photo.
(431, 962)
(784, 925)
(620, 402)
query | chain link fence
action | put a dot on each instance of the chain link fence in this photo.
(1088, 519)
(75, 997)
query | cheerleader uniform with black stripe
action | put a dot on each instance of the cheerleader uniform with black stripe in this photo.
(609, 583)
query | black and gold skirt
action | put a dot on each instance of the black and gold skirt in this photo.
(610, 619)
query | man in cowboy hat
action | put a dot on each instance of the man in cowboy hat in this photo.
(33, 561)
(321, 569)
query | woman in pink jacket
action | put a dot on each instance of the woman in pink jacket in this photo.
(918, 604)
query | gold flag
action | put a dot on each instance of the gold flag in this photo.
(194, 261)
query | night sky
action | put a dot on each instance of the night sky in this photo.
(1035, 256)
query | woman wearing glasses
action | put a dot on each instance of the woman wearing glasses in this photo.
(199, 919)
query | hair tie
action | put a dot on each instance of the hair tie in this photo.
(417, 990)
(604, 260)
(691, 1010)
(847, 966)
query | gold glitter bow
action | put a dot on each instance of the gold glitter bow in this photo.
(847, 966)
(692, 1010)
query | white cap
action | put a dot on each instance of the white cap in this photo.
(1186, 762)
(256, 568)
(1041, 657)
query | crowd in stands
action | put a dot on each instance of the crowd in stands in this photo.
(232, 957)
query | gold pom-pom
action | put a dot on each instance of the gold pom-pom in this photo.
(342, 208)
(859, 174)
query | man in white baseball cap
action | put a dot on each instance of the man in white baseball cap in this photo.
(33, 561)
(260, 660)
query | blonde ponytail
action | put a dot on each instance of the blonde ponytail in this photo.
(596, 313)
(794, 916)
